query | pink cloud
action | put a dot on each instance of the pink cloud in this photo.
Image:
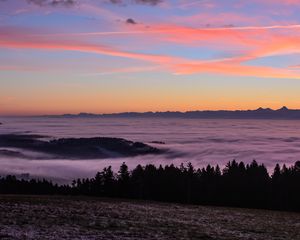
(235, 69)
(280, 2)
(14, 38)
(260, 42)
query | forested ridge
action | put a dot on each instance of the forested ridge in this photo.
(237, 185)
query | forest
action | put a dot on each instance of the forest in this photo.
(236, 185)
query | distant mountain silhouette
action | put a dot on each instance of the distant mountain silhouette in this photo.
(260, 113)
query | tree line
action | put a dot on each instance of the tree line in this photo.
(236, 185)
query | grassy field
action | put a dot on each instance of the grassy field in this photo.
(48, 217)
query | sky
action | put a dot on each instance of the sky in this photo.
(104, 56)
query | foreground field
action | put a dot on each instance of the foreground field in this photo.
(34, 217)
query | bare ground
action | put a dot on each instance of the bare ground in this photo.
(48, 217)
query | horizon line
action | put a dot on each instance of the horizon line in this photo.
(143, 112)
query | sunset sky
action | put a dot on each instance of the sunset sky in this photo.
(103, 56)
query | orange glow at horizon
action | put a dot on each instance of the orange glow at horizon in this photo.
(45, 105)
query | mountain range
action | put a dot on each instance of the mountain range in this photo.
(260, 113)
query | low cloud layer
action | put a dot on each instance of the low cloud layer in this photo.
(200, 142)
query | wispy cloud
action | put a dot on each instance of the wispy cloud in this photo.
(274, 44)
(66, 3)
(14, 38)
(235, 69)
(149, 2)
(279, 2)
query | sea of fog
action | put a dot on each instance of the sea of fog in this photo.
(198, 141)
